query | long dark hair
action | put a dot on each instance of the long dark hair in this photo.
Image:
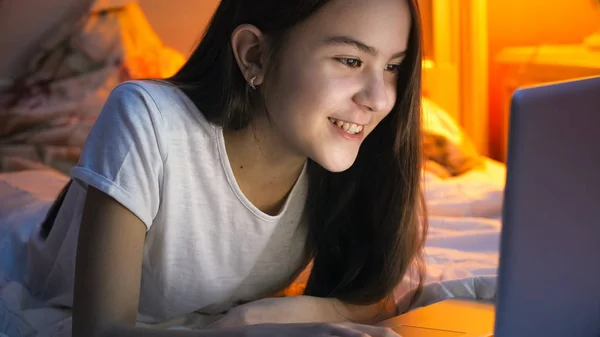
(366, 224)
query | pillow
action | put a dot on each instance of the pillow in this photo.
(446, 148)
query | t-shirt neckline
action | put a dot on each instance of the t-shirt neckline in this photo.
(226, 165)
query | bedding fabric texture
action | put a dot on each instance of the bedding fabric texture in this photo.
(447, 150)
(47, 114)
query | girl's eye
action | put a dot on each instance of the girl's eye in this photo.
(350, 62)
(394, 68)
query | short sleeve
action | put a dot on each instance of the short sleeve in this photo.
(122, 155)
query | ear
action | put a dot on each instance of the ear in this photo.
(249, 49)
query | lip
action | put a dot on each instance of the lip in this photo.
(357, 122)
(346, 135)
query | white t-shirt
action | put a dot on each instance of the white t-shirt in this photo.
(207, 247)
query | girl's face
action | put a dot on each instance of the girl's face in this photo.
(337, 77)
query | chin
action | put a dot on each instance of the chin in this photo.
(336, 162)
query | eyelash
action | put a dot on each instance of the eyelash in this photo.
(344, 61)
(358, 63)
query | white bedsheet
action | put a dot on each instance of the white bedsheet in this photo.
(461, 250)
(24, 200)
(477, 193)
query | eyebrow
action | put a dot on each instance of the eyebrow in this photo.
(345, 40)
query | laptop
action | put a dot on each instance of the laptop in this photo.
(549, 271)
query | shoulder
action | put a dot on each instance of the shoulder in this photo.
(133, 104)
(151, 93)
(166, 100)
(158, 102)
(131, 118)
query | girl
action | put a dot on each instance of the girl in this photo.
(292, 134)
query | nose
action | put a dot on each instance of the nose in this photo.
(373, 95)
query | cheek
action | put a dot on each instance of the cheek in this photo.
(320, 84)
(311, 95)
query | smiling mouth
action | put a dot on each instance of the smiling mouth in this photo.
(349, 128)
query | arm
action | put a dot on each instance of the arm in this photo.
(108, 267)
(305, 309)
(108, 274)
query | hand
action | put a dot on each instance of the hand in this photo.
(313, 330)
(283, 310)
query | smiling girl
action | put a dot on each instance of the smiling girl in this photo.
(292, 134)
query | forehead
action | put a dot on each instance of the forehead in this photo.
(384, 24)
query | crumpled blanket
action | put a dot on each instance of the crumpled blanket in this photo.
(471, 288)
(46, 116)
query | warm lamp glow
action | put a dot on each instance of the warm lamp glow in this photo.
(428, 64)
(593, 41)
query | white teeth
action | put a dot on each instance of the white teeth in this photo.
(348, 127)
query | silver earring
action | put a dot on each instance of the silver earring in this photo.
(252, 83)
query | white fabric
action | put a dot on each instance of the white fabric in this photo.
(439, 122)
(24, 201)
(207, 247)
(477, 193)
(462, 248)
(469, 288)
(461, 259)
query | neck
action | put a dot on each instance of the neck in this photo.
(264, 168)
